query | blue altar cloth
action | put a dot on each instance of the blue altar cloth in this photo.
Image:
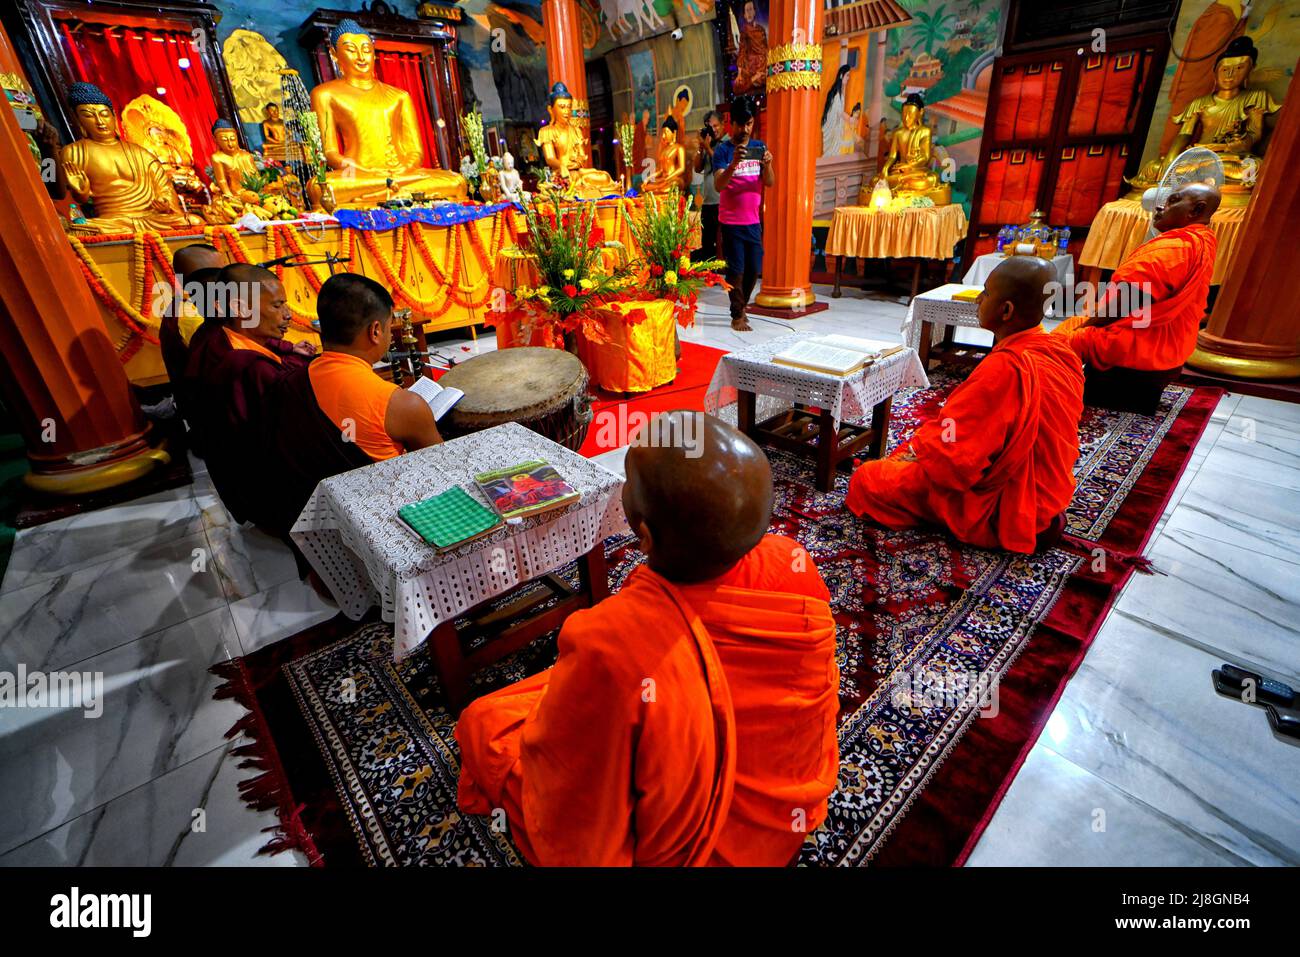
(447, 214)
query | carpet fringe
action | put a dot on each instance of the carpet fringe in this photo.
(269, 790)
(1121, 559)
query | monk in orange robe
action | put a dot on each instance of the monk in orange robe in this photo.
(996, 465)
(1165, 281)
(690, 719)
(337, 413)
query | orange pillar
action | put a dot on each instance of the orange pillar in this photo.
(794, 79)
(564, 60)
(78, 418)
(1254, 331)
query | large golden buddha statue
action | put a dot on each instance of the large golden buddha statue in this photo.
(564, 148)
(1228, 120)
(127, 186)
(907, 165)
(670, 171)
(370, 132)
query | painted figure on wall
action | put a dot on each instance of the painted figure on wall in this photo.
(751, 48)
(841, 123)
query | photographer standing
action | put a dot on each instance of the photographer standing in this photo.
(709, 139)
(743, 167)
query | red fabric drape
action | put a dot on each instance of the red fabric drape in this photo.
(125, 62)
(405, 71)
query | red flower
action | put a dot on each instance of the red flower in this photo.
(656, 269)
(570, 290)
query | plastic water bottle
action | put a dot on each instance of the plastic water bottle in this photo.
(1063, 239)
(1004, 234)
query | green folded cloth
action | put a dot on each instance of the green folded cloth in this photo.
(449, 518)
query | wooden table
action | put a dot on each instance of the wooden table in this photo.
(916, 233)
(826, 419)
(495, 587)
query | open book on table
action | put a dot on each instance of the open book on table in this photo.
(835, 354)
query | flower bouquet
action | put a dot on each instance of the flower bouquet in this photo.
(574, 281)
(662, 232)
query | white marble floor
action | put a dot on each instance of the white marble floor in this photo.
(151, 593)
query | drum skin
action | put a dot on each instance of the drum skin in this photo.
(542, 389)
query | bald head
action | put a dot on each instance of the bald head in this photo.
(252, 301)
(190, 259)
(1015, 295)
(698, 495)
(1187, 206)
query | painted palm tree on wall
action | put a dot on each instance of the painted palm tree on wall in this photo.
(932, 27)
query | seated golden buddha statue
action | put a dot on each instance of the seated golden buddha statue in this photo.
(907, 165)
(370, 132)
(563, 148)
(127, 186)
(1229, 120)
(670, 170)
(230, 164)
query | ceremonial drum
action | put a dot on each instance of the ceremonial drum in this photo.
(542, 389)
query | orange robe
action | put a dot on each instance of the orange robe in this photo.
(681, 724)
(1177, 267)
(996, 464)
(355, 399)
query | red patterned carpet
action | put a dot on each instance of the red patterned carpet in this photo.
(925, 624)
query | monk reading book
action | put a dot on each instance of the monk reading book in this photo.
(690, 718)
(338, 414)
(1166, 281)
(995, 466)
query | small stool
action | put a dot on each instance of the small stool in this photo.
(1127, 390)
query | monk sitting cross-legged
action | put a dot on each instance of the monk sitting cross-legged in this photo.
(1166, 281)
(995, 466)
(690, 718)
(338, 414)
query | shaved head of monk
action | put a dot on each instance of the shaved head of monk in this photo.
(698, 495)
(1186, 206)
(190, 259)
(1015, 295)
(254, 303)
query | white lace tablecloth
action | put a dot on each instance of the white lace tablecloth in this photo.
(350, 532)
(848, 397)
(937, 307)
(984, 265)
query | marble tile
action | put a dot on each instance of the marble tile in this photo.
(157, 714)
(1265, 449)
(1251, 514)
(279, 612)
(57, 548)
(209, 503)
(1209, 438)
(247, 560)
(1223, 599)
(1056, 814)
(83, 613)
(156, 824)
(1142, 714)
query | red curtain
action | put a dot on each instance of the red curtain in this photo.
(126, 61)
(1027, 100)
(405, 71)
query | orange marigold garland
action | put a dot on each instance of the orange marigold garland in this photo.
(147, 259)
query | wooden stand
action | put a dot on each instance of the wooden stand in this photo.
(518, 620)
(812, 433)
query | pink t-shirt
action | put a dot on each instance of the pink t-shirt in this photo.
(741, 202)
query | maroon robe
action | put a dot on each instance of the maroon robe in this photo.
(228, 388)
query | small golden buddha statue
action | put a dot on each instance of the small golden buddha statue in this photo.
(128, 187)
(230, 164)
(1229, 120)
(907, 164)
(274, 138)
(671, 171)
(370, 132)
(564, 148)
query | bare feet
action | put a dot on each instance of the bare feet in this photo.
(741, 324)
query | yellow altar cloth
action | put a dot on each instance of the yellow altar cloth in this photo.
(639, 358)
(1121, 227)
(926, 232)
(129, 275)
